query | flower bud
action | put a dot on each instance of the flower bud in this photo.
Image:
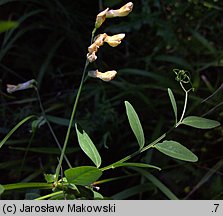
(101, 18)
(106, 76)
(114, 40)
(21, 86)
(121, 12)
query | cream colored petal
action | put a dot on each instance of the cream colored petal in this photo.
(11, 88)
(106, 76)
(91, 57)
(121, 12)
(114, 40)
(99, 39)
(101, 18)
(93, 48)
(113, 43)
(117, 37)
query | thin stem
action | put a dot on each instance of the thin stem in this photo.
(49, 125)
(185, 105)
(134, 154)
(73, 111)
(26, 152)
(49, 195)
(151, 145)
(71, 120)
(100, 5)
(92, 35)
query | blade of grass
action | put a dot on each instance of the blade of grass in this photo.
(45, 150)
(15, 128)
(23, 18)
(200, 38)
(31, 185)
(8, 164)
(157, 183)
(45, 64)
(7, 25)
(206, 177)
(132, 191)
(7, 1)
(58, 120)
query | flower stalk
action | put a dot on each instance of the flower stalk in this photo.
(96, 42)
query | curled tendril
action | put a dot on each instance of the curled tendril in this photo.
(182, 76)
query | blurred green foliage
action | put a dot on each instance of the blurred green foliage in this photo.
(50, 45)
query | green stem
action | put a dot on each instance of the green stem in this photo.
(71, 120)
(92, 35)
(27, 185)
(135, 153)
(185, 105)
(26, 152)
(151, 145)
(73, 111)
(49, 195)
(49, 125)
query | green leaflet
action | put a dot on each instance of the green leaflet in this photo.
(135, 124)
(199, 122)
(88, 147)
(176, 150)
(83, 175)
(173, 102)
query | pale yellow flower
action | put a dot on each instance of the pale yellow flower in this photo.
(101, 18)
(121, 12)
(106, 76)
(93, 48)
(99, 39)
(114, 40)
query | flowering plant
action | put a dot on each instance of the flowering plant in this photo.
(83, 182)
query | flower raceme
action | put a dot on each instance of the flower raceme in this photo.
(93, 48)
(99, 40)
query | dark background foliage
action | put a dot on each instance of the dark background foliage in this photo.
(50, 45)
